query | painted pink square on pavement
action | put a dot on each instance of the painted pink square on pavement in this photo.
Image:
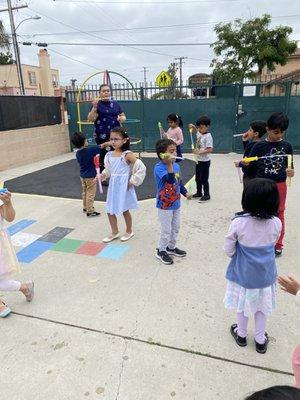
(90, 248)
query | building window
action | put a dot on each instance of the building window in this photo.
(54, 81)
(32, 78)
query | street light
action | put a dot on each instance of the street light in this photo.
(26, 19)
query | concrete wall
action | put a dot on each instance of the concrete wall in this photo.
(23, 146)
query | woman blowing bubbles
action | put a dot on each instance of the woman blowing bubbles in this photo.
(106, 115)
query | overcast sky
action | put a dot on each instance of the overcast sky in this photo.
(114, 21)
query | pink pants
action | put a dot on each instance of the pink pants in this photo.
(282, 198)
(296, 365)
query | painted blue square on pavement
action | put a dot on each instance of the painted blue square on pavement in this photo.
(33, 251)
(20, 225)
(113, 251)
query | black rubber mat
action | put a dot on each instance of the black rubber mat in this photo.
(62, 180)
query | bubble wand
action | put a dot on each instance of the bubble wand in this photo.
(289, 161)
(165, 156)
(192, 139)
(239, 174)
(255, 158)
(98, 176)
(160, 129)
(2, 188)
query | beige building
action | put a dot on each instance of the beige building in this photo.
(39, 80)
(282, 73)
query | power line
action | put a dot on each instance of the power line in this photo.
(152, 27)
(148, 2)
(115, 44)
(99, 37)
(74, 59)
(129, 29)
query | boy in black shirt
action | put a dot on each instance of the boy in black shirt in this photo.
(85, 157)
(253, 135)
(275, 167)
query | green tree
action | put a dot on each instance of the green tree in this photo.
(5, 56)
(242, 48)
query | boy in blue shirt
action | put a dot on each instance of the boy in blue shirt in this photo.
(169, 188)
(85, 157)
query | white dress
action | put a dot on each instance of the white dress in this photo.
(119, 197)
(252, 232)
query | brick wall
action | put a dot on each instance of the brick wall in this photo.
(24, 146)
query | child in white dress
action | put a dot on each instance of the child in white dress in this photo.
(252, 274)
(8, 261)
(124, 171)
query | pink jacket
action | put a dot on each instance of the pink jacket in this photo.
(175, 135)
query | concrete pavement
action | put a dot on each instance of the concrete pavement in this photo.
(142, 330)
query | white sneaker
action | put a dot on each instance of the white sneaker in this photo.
(111, 238)
(127, 237)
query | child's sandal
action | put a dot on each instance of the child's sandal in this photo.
(4, 310)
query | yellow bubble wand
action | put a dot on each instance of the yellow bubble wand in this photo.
(289, 161)
(166, 156)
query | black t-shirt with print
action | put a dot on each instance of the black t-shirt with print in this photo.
(272, 168)
(248, 170)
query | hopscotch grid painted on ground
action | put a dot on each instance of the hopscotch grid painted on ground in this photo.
(33, 246)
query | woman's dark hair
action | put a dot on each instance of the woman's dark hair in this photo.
(175, 118)
(276, 393)
(122, 132)
(78, 139)
(162, 146)
(104, 85)
(260, 127)
(261, 198)
(203, 120)
(278, 120)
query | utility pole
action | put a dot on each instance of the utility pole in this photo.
(16, 46)
(180, 71)
(145, 69)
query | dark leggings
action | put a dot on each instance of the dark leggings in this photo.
(202, 174)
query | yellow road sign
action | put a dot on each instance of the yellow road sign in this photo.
(163, 79)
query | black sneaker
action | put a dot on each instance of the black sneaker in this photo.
(197, 195)
(176, 252)
(164, 257)
(204, 198)
(278, 252)
(262, 348)
(241, 341)
(93, 214)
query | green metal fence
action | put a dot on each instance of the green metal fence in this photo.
(231, 109)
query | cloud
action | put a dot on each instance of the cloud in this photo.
(59, 17)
